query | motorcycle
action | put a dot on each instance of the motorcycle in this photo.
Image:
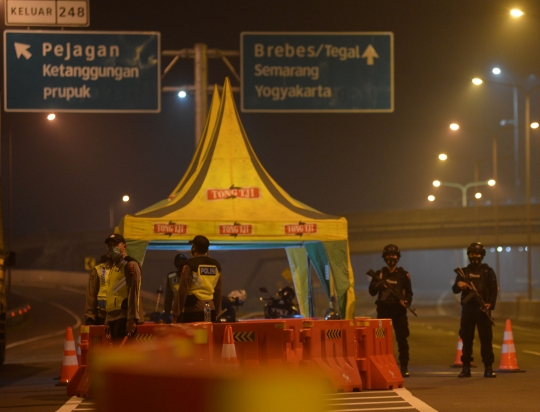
(281, 306)
(230, 305)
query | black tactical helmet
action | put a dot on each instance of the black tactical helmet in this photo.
(286, 293)
(391, 250)
(476, 247)
(180, 258)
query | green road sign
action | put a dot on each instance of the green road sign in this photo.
(75, 71)
(317, 72)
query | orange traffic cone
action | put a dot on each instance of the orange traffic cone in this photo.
(228, 351)
(459, 352)
(69, 361)
(508, 352)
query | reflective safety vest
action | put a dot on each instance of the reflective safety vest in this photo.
(174, 281)
(206, 272)
(103, 273)
(117, 289)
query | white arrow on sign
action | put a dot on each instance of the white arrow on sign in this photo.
(370, 54)
(22, 50)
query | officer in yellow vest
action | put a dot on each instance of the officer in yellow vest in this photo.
(96, 293)
(200, 284)
(124, 290)
(171, 286)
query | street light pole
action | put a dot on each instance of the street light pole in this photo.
(125, 199)
(496, 205)
(464, 188)
(494, 154)
(528, 191)
(200, 53)
(527, 94)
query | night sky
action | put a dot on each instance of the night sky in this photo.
(67, 173)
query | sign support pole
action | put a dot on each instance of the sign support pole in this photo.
(201, 85)
(200, 90)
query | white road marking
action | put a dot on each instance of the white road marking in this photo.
(367, 401)
(373, 409)
(71, 404)
(531, 352)
(365, 397)
(417, 403)
(496, 346)
(74, 290)
(49, 335)
(356, 394)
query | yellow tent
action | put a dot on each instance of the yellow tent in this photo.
(227, 196)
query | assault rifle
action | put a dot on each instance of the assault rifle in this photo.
(394, 292)
(475, 294)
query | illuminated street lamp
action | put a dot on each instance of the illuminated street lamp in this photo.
(516, 13)
(464, 188)
(125, 199)
(494, 136)
(528, 126)
(51, 116)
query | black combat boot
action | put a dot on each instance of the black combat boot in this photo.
(488, 372)
(466, 372)
(404, 371)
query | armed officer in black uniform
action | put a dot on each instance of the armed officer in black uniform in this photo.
(389, 306)
(485, 281)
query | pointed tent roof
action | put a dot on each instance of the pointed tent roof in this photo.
(227, 186)
(228, 196)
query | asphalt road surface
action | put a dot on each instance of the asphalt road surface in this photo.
(35, 348)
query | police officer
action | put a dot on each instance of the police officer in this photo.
(389, 306)
(96, 292)
(485, 281)
(171, 287)
(200, 284)
(124, 290)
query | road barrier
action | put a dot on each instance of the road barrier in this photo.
(266, 343)
(351, 355)
(330, 346)
(375, 354)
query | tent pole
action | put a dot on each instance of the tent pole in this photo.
(310, 288)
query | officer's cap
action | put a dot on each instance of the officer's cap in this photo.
(201, 243)
(115, 238)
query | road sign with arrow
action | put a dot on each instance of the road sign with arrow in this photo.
(82, 71)
(317, 72)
